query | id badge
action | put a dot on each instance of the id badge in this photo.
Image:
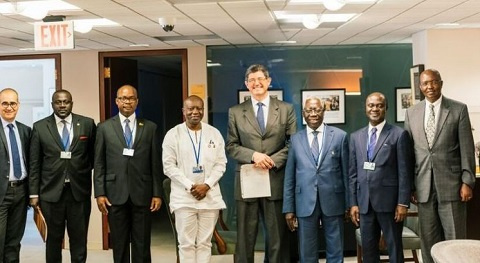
(369, 166)
(197, 169)
(65, 155)
(128, 152)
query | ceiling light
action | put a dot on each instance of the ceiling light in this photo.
(286, 42)
(82, 27)
(447, 24)
(333, 5)
(312, 21)
(139, 45)
(36, 9)
(325, 18)
(85, 25)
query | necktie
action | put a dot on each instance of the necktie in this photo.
(315, 147)
(17, 167)
(65, 136)
(371, 144)
(430, 130)
(128, 133)
(260, 117)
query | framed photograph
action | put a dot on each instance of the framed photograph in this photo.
(403, 100)
(334, 101)
(417, 94)
(244, 95)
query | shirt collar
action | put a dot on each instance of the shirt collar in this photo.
(123, 118)
(379, 127)
(5, 123)
(320, 129)
(265, 102)
(436, 104)
(59, 120)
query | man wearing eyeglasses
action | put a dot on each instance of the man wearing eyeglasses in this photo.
(61, 163)
(316, 184)
(445, 163)
(259, 131)
(127, 178)
(14, 153)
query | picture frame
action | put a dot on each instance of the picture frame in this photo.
(334, 101)
(244, 95)
(415, 72)
(403, 100)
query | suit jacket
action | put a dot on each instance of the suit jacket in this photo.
(452, 156)
(390, 183)
(244, 138)
(47, 170)
(304, 181)
(118, 176)
(25, 134)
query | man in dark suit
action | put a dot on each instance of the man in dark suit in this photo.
(258, 132)
(127, 177)
(61, 162)
(15, 145)
(381, 167)
(445, 163)
(316, 184)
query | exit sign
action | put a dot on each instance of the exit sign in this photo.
(54, 35)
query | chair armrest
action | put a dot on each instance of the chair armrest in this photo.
(223, 226)
(221, 245)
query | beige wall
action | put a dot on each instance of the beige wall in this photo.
(455, 53)
(80, 76)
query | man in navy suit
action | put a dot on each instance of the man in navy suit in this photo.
(381, 169)
(316, 184)
(14, 151)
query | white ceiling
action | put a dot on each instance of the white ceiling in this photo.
(239, 22)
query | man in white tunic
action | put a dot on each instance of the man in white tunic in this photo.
(194, 159)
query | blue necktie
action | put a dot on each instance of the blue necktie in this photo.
(371, 144)
(17, 167)
(65, 136)
(260, 117)
(315, 147)
(128, 133)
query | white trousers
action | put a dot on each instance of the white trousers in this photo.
(195, 230)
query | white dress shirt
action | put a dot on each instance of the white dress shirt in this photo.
(6, 130)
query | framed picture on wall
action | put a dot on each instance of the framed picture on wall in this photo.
(334, 101)
(244, 95)
(403, 100)
(417, 94)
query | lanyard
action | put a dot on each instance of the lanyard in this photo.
(129, 142)
(197, 154)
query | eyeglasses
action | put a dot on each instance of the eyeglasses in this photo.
(127, 99)
(12, 104)
(434, 82)
(310, 111)
(260, 79)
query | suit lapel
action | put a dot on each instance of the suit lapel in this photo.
(363, 143)
(383, 136)
(272, 114)
(76, 131)
(4, 139)
(52, 129)
(250, 116)
(117, 127)
(306, 146)
(140, 128)
(327, 140)
(417, 123)
(22, 132)
(444, 111)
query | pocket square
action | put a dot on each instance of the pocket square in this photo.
(83, 138)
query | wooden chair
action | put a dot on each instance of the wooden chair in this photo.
(223, 240)
(410, 238)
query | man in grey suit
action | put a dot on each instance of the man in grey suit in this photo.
(127, 177)
(258, 132)
(15, 146)
(445, 163)
(61, 163)
(381, 168)
(316, 184)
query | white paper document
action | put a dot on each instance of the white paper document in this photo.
(255, 182)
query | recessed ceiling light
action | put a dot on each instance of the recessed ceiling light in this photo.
(290, 17)
(447, 24)
(139, 45)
